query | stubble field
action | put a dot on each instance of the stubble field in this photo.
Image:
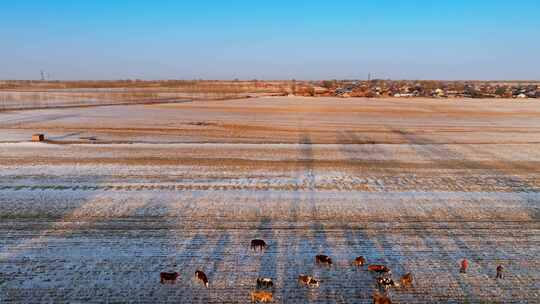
(414, 184)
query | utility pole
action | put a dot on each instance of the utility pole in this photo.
(42, 75)
(369, 83)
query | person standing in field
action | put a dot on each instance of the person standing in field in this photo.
(500, 270)
(464, 266)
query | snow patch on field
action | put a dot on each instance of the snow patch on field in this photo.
(275, 205)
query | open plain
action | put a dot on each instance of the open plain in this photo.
(120, 193)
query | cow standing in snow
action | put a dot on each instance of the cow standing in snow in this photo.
(201, 277)
(323, 259)
(168, 277)
(359, 261)
(258, 245)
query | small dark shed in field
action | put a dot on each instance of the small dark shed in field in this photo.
(38, 137)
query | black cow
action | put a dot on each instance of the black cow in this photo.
(258, 245)
(323, 259)
(168, 277)
(265, 283)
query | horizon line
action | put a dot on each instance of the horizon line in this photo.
(267, 80)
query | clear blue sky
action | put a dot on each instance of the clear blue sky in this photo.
(412, 39)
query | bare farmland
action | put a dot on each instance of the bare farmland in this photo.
(416, 185)
(20, 95)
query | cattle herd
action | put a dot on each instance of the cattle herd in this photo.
(265, 286)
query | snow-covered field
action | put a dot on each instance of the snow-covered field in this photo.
(84, 223)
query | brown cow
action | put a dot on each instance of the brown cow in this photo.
(359, 261)
(261, 296)
(381, 299)
(168, 277)
(201, 276)
(379, 268)
(406, 280)
(258, 244)
(308, 281)
(323, 259)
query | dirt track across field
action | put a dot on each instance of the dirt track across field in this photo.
(414, 184)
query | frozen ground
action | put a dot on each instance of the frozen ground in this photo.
(288, 120)
(98, 222)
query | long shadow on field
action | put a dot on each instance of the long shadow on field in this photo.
(519, 185)
(434, 152)
(317, 242)
(218, 254)
(449, 260)
(44, 243)
(360, 243)
(36, 118)
(187, 251)
(212, 258)
(65, 136)
(268, 260)
(291, 255)
(206, 250)
(375, 250)
(395, 258)
(45, 227)
(370, 241)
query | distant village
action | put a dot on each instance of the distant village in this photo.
(341, 88)
(408, 89)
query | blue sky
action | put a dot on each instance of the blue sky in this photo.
(399, 39)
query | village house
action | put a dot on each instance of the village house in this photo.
(431, 89)
(440, 93)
